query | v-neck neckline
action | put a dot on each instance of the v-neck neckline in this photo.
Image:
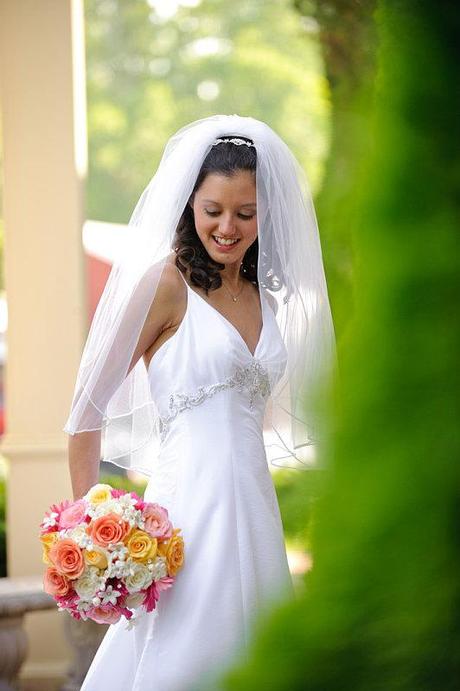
(230, 324)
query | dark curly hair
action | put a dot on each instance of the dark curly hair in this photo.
(226, 159)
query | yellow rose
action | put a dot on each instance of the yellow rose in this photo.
(99, 494)
(95, 557)
(174, 552)
(48, 540)
(162, 548)
(141, 546)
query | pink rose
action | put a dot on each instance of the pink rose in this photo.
(104, 614)
(157, 523)
(73, 515)
(108, 614)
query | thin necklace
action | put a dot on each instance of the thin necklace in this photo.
(234, 297)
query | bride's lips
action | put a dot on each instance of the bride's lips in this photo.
(225, 248)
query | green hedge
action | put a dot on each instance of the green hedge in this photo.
(122, 482)
(381, 607)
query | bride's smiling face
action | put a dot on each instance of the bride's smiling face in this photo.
(225, 215)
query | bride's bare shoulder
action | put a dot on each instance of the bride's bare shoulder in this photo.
(166, 310)
(171, 289)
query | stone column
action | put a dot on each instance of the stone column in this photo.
(43, 109)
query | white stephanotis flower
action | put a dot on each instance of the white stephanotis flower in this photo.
(102, 509)
(131, 623)
(118, 551)
(128, 511)
(80, 536)
(118, 569)
(50, 521)
(159, 568)
(89, 583)
(134, 518)
(83, 606)
(139, 577)
(127, 501)
(109, 595)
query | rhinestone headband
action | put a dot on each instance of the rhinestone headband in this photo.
(234, 140)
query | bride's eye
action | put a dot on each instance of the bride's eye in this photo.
(216, 213)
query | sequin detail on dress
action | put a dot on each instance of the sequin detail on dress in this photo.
(253, 378)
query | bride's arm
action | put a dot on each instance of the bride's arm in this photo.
(84, 448)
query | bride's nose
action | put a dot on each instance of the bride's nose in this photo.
(227, 225)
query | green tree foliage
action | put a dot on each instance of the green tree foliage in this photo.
(346, 29)
(148, 75)
(381, 606)
(118, 481)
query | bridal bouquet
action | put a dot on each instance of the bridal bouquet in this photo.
(108, 554)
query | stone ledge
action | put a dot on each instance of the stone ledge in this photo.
(23, 594)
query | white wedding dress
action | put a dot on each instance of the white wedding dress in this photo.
(213, 477)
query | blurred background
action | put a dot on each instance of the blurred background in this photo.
(365, 95)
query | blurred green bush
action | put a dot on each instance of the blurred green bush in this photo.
(381, 606)
(123, 482)
(297, 509)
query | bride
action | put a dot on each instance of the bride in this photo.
(200, 368)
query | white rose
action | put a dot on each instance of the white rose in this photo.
(139, 577)
(89, 583)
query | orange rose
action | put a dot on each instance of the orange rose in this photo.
(174, 553)
(67, 557)
(108, 530)
(55, 583)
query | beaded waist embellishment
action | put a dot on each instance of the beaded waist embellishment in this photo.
(253, 378)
